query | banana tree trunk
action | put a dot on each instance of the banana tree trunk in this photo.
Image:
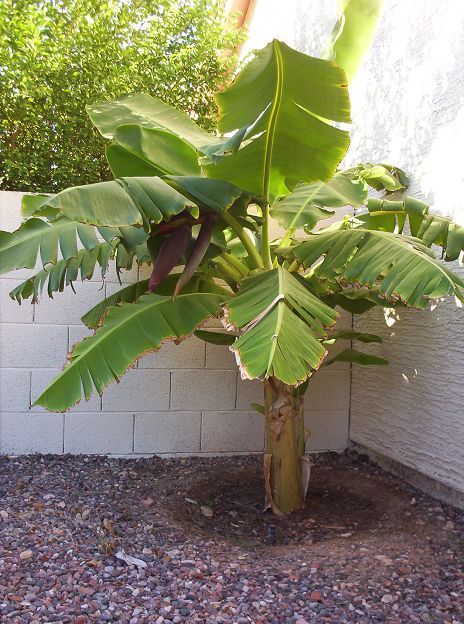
(286, 467)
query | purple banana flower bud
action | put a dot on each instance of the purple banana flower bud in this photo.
(169, 255)
(199, 250)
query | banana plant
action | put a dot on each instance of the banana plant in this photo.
(196, 207)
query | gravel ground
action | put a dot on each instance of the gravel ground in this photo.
(367, 548)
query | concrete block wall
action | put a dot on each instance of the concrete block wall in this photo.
(185, 398)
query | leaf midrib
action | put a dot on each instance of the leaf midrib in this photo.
(278, 325)
(140, 309)
(270, 134)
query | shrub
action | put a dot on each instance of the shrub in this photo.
(60, 55)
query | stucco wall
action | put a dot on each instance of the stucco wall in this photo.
(186, 398)
(408, 109)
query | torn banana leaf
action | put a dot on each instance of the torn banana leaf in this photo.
(279, 324)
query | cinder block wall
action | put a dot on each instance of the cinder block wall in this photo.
(185, 398)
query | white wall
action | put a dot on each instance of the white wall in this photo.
(183, 399)
(408, 109)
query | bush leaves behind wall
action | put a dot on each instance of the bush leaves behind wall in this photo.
(57, 57)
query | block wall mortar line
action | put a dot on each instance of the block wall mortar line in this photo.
(201, 431)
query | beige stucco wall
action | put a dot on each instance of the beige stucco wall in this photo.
(408, 105)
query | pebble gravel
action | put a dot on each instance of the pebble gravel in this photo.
(66, 524)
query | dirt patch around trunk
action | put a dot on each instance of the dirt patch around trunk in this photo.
(347, 500)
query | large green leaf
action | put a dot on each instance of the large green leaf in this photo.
(215, 337)
(402, 267)
(279, 322)
(358, 300)
(103, 203)
(354, 33)
(65, 272)
(149, 112)
(128, 331)
(356, 357)
(199, 283)
(36, 206)
(128, 294)
(124, 163)
(216, 195)
(307, 203)
(387, 215)
(133, 201)
(288, 98)
(19, 249)
(157, 147)
(122, 202)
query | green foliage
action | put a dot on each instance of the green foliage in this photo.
(401, 267)
(353, 33)
(129, 330)
(196, 206)
(286, 119)
(60, 55)
(279, 323)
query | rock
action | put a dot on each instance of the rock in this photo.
(4, 514)
(316, 596)
(387, 598)
(26, 554)
(207, 511)
(384, 559)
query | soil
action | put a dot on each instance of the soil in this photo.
(367, 548)
(345, 496)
